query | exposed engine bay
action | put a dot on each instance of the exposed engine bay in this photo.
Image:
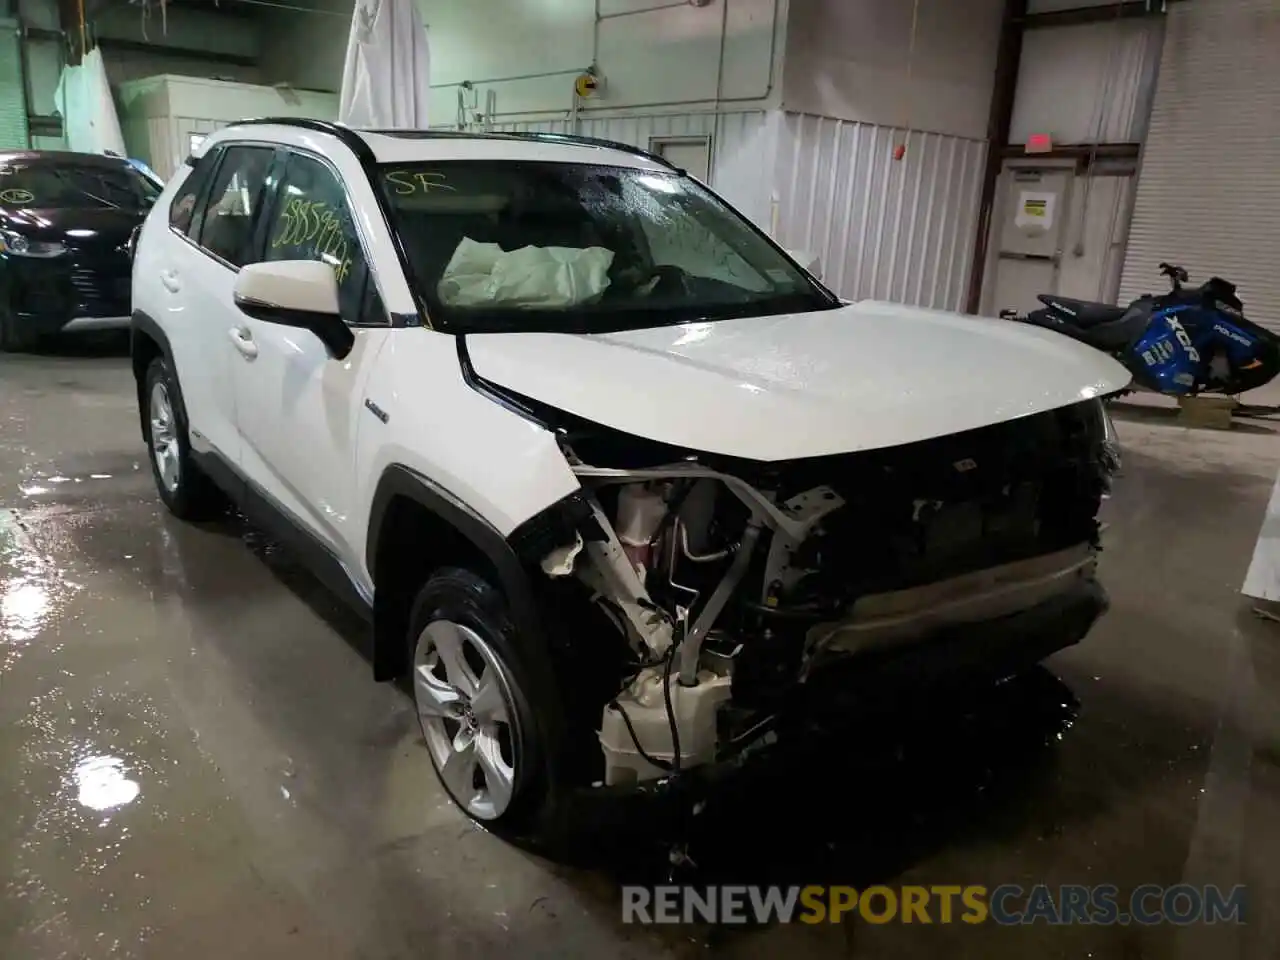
(734, 582)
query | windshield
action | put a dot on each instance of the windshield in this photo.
(57, 184)
(503, 245)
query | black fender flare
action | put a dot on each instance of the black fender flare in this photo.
(142, 324)
(401, 481)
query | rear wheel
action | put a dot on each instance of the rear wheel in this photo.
(183, 487)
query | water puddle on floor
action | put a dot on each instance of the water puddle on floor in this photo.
(32, 589)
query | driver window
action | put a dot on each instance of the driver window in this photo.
(312, 221)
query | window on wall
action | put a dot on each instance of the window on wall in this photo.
(312, 221)
(690, 154)
(225, 226)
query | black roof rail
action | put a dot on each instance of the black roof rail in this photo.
(573, 138)
(352, 138)
(536, 136)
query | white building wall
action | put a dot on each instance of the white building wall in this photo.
(159, 115)
(1088, 83)
(900, 230)
(884, 229)
(520, 57)
(743, 146)
(861, 60)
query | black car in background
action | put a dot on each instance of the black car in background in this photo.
(65, 223)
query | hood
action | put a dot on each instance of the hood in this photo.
(82, 227)
(861, 377)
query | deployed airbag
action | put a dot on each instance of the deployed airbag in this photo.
(483, 274)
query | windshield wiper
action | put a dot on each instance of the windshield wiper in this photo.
(83, 192)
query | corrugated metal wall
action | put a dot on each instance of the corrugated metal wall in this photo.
(741, 146)
(884, 229)
(1208, 197)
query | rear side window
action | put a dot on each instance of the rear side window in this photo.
(183, 207)
(224, 226)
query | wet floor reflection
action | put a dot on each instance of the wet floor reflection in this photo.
(32, 589)
(102, 783)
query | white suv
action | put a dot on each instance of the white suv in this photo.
(618, 484)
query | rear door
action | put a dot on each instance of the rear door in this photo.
(213, 226)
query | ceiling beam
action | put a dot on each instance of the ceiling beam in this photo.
(999, 120)
(167, 50)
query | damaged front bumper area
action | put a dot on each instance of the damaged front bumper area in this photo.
(888, 620)
(748, 592)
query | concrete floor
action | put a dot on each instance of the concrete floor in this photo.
(268, 800)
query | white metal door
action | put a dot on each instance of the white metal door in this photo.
(1030, 234)
(1208, 196)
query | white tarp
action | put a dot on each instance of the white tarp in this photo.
(83, 99)
(385, 80)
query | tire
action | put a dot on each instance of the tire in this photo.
(184, 488)
(13, 340)
(470, 684)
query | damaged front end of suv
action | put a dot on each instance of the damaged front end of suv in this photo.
(740, 589)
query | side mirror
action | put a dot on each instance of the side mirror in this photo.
(296, 293)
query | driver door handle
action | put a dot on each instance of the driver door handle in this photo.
(243, 340)
(170, 280)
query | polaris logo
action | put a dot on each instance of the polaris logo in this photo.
(1232, 334)
(1183, 338)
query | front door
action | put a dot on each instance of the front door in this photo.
(298, 408)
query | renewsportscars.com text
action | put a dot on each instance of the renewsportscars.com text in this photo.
(1007, 904)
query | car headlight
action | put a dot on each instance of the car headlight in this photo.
(20, 246)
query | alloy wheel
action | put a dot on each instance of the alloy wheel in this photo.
(164, 438)
(462, 691)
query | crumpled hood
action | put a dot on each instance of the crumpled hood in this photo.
(861, 377)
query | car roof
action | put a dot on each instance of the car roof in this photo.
(61, 156)
(409, 146)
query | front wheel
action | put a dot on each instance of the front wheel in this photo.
(475, 701)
